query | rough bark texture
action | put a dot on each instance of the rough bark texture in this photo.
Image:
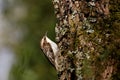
(87, 33)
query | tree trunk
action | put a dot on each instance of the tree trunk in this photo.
(88, 36)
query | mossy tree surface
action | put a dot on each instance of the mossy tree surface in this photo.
(87, 33)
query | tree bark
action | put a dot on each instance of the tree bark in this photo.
(87, 33)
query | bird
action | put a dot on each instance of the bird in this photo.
(49, 49)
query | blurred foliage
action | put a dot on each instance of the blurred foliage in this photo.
(31, 64)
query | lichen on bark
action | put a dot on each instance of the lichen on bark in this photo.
(85, 36)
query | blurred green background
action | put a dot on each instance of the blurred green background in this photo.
(30, 20)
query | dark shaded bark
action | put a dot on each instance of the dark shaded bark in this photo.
(88, 38)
